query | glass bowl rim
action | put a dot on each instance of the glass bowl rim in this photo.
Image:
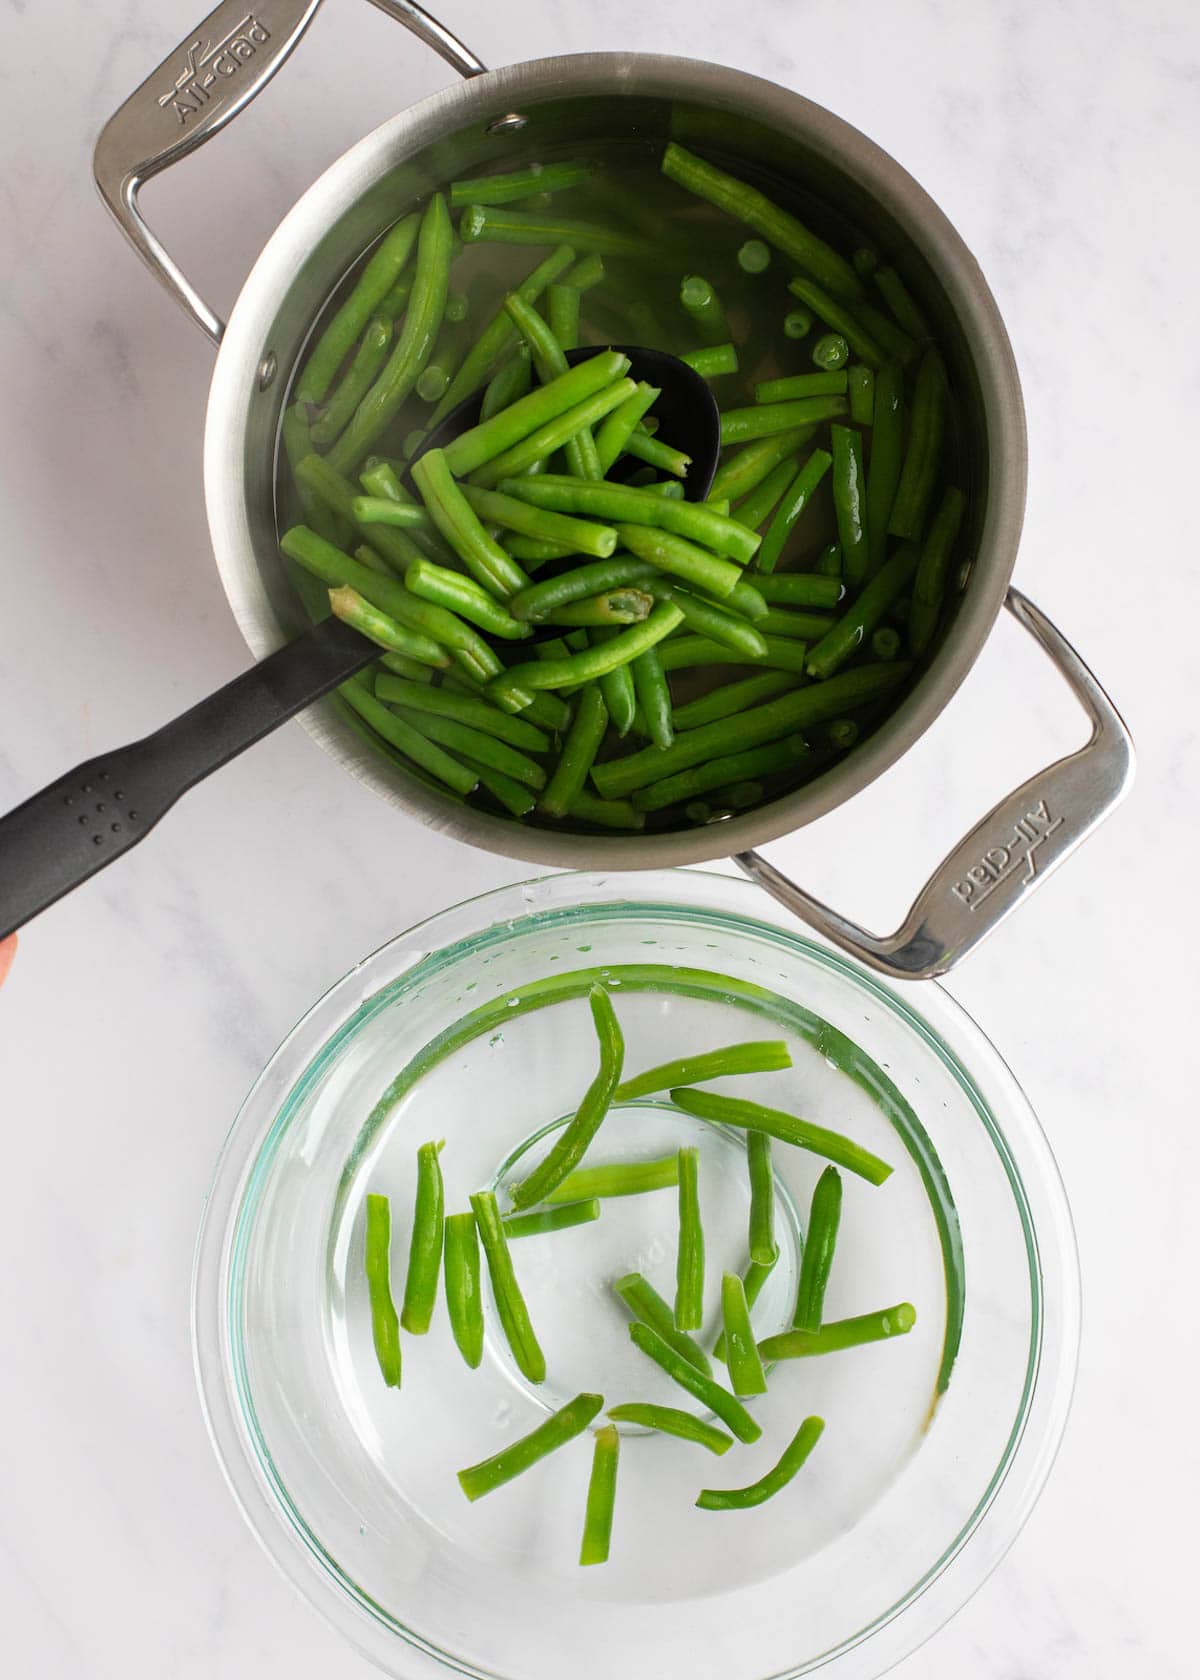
(231, 1203)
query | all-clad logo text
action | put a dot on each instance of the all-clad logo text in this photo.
(207, 66)
(1018, 851)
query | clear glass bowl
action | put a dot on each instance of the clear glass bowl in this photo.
(936, 1444)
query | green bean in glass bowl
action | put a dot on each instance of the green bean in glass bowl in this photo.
(496, 528)
(476, 1029)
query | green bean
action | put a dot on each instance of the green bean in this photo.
(658, 454)
(627, 506)
(746, 1374)
(753, 1279)
(673, 491)
(396, 301)
(442, 702)
(862, 394)
(358, 378)
(617, 688)
(788, 1128)
(820, 1240)
(847, 634)
(922, 457)
(510, 1303)
(614, 606)
(794, 501)
(522, 227)
(533, 551)
(815, 703)
(402, 666)
(653, 696)
(539, 445)
(391, 597)
(689, 1268)
(648, 1307)
(896, 345)
(386, 510)
(839, 319)
(850, 503)
(604, 813)
(477, 747)
(569, 1148)
(829, 561)
(776, 226)
(457, 521)
(742, 473)
(406, 740)
(499, 333)
(759, 504)
(574, 536)
(413, 345)
(887, 451)
(865, 261)
(929, 584)
(589, 271)
(711, 361)
(414, 442)
(541, 599)
(464, 596)
(843, 733)
(425, 1243)
(831, 383)
(794, 1455)
(554, 1432)
(618, 1178)
(798, 589)
(613, 437)
(899, 300)
(296, 439)
(669, 1420)
(351, 608)
(786, 621)
(704, 309)
(491, 438)
(551, 363)
(685, 653)
(797, 324)
(562, 305)
(764, 1249)
(681, 559)
(627, 205)
(703, 1388)
(464, 1303)
(547, 711)
(769, 419)
(578, 753)
(747, 601)
(385, 1326)
(831, 352)
(841, 1333)
(316, 474)
(518, 801)
(885, 642)
(504, 189)
(511, 380)
(593, 662)
(753, 257)
(545, 1221)
(601, 1497)
(760, 1056)
(373, 285)
(728, 630)
(733, 697)
(741, 796)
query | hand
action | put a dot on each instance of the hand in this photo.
(8, 950)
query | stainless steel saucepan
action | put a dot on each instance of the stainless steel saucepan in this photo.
(516, 114)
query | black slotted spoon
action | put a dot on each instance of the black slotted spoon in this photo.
(90, 816)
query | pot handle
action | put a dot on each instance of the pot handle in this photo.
(201, 86)
(1008, 854)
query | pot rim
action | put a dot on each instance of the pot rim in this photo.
(245, 343)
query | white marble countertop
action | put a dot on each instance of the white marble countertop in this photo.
(1063, 140)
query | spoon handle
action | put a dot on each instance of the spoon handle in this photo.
(88, 817)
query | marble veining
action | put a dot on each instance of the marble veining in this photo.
(1063, 140)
